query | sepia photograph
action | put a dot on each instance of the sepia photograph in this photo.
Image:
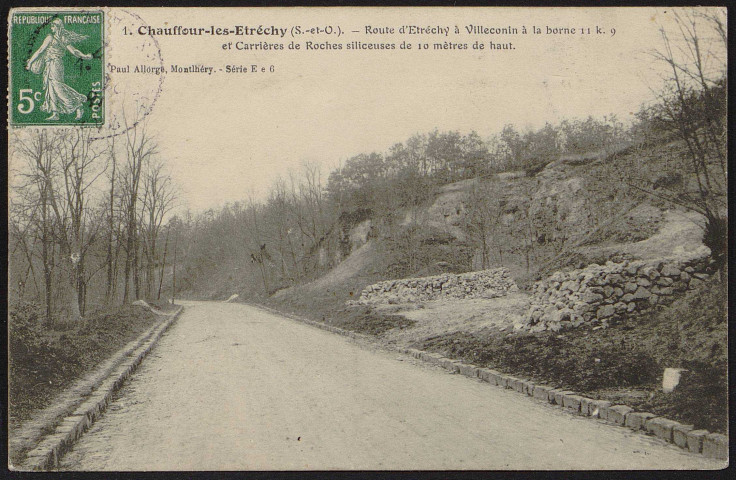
(367, 238)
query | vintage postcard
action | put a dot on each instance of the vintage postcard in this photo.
(367, 238)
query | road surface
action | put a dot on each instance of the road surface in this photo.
(231, 387)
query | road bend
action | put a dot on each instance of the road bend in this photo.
(232, 387)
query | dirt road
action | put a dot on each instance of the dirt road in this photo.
(230, 387)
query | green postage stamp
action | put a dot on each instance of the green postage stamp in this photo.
(57, 61)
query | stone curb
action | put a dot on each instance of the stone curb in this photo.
(34, 429)
(711, 445)
(51, 448)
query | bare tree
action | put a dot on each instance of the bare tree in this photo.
(483, 218)
(692, 107)
(279, 221)
(139, 146)
(38, 152)
(78, 169)
(112, 239)
(694, 104)
(21, 234)
(158, 200)
(163, 262)
(258, 254)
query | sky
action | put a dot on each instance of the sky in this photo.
(226, 136)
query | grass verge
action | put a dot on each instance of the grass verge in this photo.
(44, 360)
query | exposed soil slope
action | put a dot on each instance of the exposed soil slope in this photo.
(357, 264)
(44, 361)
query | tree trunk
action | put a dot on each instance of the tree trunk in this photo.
(128, 263)
(47, 264)
(173, 280)
(151, 268)
(81, 288)
(163, 266)
(263, 275)
(74, 256)
(75, 314)
(115, 267)
(110, 292)
(131, 259)
(136, 267)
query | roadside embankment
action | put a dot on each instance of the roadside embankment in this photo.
(39, 442)
(46, 357)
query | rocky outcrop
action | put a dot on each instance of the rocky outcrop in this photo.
(481, 284)
(598, 294)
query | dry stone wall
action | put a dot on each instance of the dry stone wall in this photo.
(598, 294)
(481, 284)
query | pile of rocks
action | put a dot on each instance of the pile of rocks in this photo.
(600, 293)
(481, 284)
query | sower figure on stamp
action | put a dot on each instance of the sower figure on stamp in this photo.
(49, 60)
